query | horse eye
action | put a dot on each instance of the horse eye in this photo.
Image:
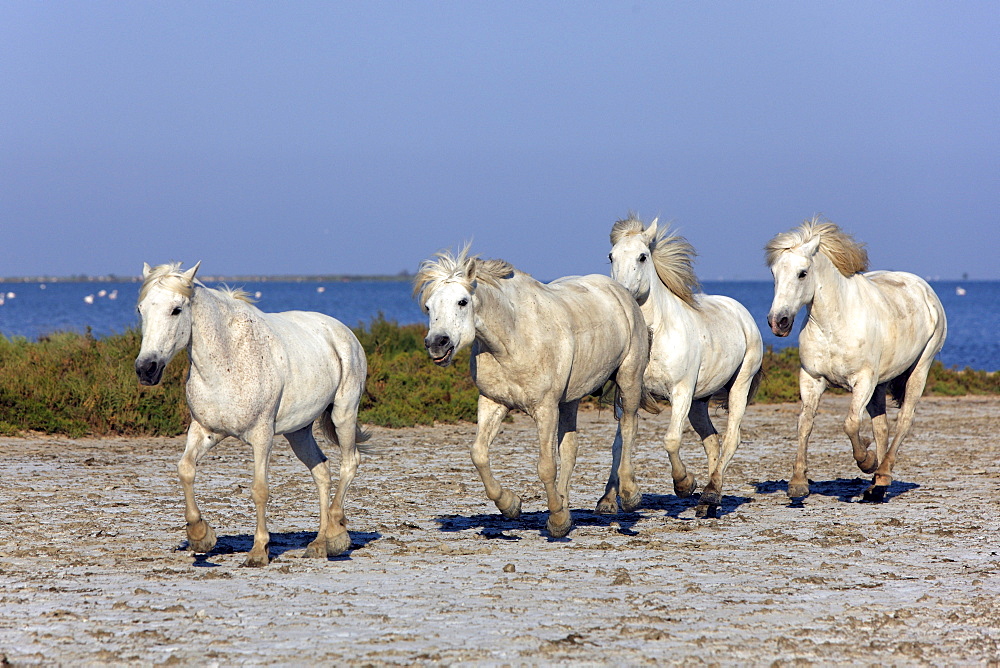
(802, 274)
(463, 302)
(642, 257)
(176, 311)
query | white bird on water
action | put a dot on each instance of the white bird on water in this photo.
(89, 299)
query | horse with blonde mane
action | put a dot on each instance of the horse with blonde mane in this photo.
(870, 333)
(704, 347)
(254, 375)
(539, 348)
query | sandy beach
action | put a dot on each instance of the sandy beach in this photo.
(94, 570)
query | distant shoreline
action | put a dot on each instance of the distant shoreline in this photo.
(319, 278)
(352, 278)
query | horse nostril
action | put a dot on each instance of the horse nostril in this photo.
(442, 341)
(783, 322)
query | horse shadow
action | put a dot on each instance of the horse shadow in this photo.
(674, 505)
(495, 525)
(846, 490)
(280, 544)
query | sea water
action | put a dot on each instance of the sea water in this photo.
(34, 310)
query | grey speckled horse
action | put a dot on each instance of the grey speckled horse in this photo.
(540, 348)
(254, 375)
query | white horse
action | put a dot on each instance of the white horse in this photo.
(254, 375)
(704, 346)
(539, 348)
(866, 332)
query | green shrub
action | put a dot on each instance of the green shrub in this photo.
(76, 385)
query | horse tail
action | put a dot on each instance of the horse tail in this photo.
(647, 401)
(361, 436)
(758, 378)
(897, 387)
(721, 398)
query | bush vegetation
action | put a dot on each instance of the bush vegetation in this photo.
(76, 384)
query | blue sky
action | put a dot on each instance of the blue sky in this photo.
(291, 138)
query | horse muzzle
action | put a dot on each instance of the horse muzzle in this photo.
(149, 371)
(781, 323)
(441, 349)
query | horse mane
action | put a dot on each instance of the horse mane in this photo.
(673, 257)
(239, 294)
(846, 254)
(446, 267)
(170, 277)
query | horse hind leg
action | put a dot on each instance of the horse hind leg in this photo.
(914, 388)
(568, 446)
(711, 495)
(304, 445)
(345, 421)
(880, 429)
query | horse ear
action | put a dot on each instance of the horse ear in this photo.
(810, 247)
(145, 270)
(189, 274)
(470, 270)
(650, 233)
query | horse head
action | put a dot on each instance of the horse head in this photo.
(165, 309)
(632, 258)
(794, 284)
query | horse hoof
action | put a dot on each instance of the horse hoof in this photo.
(685, 487)
(605, 507)
(710, 497)
(509, 505)
(316, 549)
(255, 560)
(870, 463)
(874, 494)
(338, 544)
(631, 502)
(203, 543)
(559, 530)
(706, 511)
(798, 490)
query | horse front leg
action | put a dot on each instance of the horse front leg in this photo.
(201, 537)
(711, 496)
(547, 421)
(568, 446)
(261, 440)
(680, 405)
(811, 390)
(862, 390)
(489, 417)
